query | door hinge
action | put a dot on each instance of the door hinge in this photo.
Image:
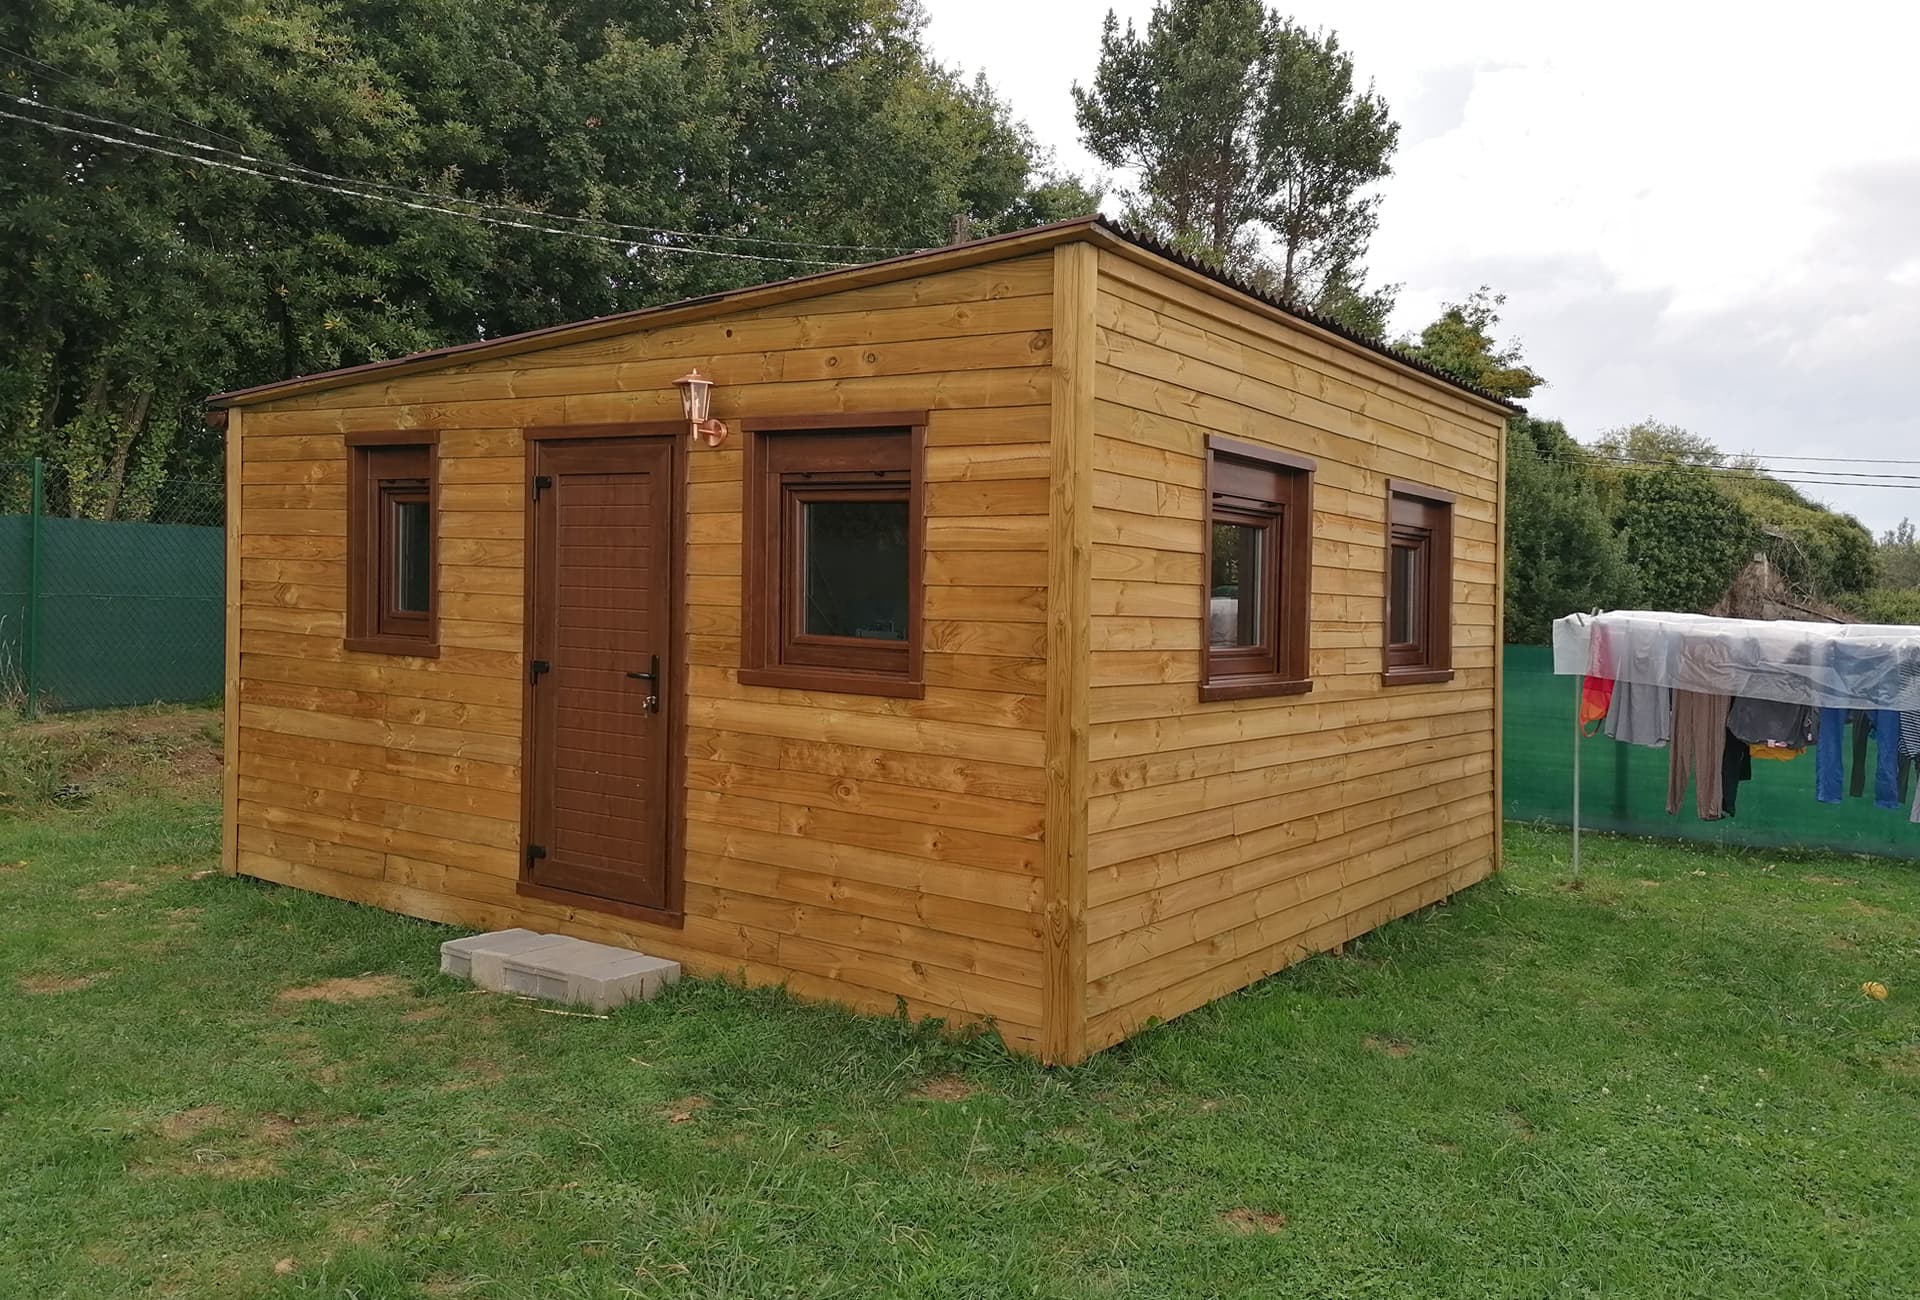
(535, 852)
(541, 482)
(537, 667)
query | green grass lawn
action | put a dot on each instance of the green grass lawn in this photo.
(1668, 1083)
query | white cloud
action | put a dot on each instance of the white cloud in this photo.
(1702, 212)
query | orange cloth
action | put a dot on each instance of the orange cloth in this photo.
(1778, 753)
(1596, 696)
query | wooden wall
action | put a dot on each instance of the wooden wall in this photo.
(1226, 840)
(851, 846)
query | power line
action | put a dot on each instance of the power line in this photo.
(435, 197)
(1725, 473)
(1628, 458)
(19, 57)
(630, 245)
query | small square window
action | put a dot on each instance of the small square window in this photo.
(391, 598)
(832, 555)
(1258, 565)
(1419, 612)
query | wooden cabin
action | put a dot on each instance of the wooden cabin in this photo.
(1062, 635)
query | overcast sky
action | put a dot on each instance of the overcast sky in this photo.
(1698, 212)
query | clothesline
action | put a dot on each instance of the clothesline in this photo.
(1718, 693)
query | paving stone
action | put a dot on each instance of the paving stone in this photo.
(479, 958)
(586, 974)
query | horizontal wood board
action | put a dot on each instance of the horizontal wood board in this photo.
(857, 849)
(1229, 839)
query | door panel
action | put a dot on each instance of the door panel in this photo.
(600, 603)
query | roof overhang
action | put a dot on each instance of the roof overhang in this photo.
(997, 248)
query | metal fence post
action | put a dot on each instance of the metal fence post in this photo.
(30, 639)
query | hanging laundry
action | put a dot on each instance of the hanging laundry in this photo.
(1736, 765)
(1774, 753)
(1700, 752)
(1886, 753)
(1769, 722)
(1596, 697)
(1882, 726)
(1640, 715)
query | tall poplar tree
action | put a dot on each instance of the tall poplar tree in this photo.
(1254, 147)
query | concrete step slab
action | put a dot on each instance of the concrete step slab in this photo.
(479, 957)
(585, 974)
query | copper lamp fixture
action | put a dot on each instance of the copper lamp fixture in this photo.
(696, 399)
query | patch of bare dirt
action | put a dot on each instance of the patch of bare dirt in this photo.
(1522, 1126)
(118, 888)
(420, 1015)
(1389, 1047)
(1829, 880)
(683, 1111)
(356, 988)
(1247, 1222)
(275, 1130)
(215, 1164)
(945, 1087)
(42, 984)
(1865, 909)
(475, 1072)
(181, 1125)
(8, 868)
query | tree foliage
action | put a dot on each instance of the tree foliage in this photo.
(1461, 343)
(1562, 550)
(1254, 147)
(1685, 538)
(132, 284)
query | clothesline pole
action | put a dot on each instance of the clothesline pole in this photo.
(1579, 685)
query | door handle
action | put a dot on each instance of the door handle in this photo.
(652, 678)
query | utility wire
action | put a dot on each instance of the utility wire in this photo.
(1722, 472)
(433, 197)
(631, 245)
(1627, 458)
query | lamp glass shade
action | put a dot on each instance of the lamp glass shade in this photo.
(696, 394)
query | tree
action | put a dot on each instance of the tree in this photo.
(1897, 558)
(1461, 343)
(1563, 554)
(1253, 147)
(1652, 442)
(1685, 538)
(131, 284)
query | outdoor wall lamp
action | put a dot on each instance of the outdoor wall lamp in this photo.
(696, 399)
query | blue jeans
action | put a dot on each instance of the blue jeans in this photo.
(1829, 763)
(1829, 757)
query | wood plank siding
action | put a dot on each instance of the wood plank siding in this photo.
(1226, 840)
(856, 848)
(1055, 834)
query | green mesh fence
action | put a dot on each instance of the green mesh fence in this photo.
(109, 599)
(1624, 787)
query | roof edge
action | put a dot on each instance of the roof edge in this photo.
(994, 248)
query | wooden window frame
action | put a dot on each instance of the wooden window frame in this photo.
(1278, 664)
(1420, 518)
(788, 461)
(385, 469)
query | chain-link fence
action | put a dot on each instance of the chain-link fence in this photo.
(109, 595)
(1623, 788)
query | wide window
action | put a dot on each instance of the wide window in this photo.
(832, 553)
(1419, 631)
(1259, 567)
(391, 587)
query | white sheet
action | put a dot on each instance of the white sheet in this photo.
(1825, 665)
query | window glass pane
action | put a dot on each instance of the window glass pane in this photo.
(1404, 600)
(1237, 591)
(854, 569)
(413, 556)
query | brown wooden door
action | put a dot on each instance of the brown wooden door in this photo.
(600, 598)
